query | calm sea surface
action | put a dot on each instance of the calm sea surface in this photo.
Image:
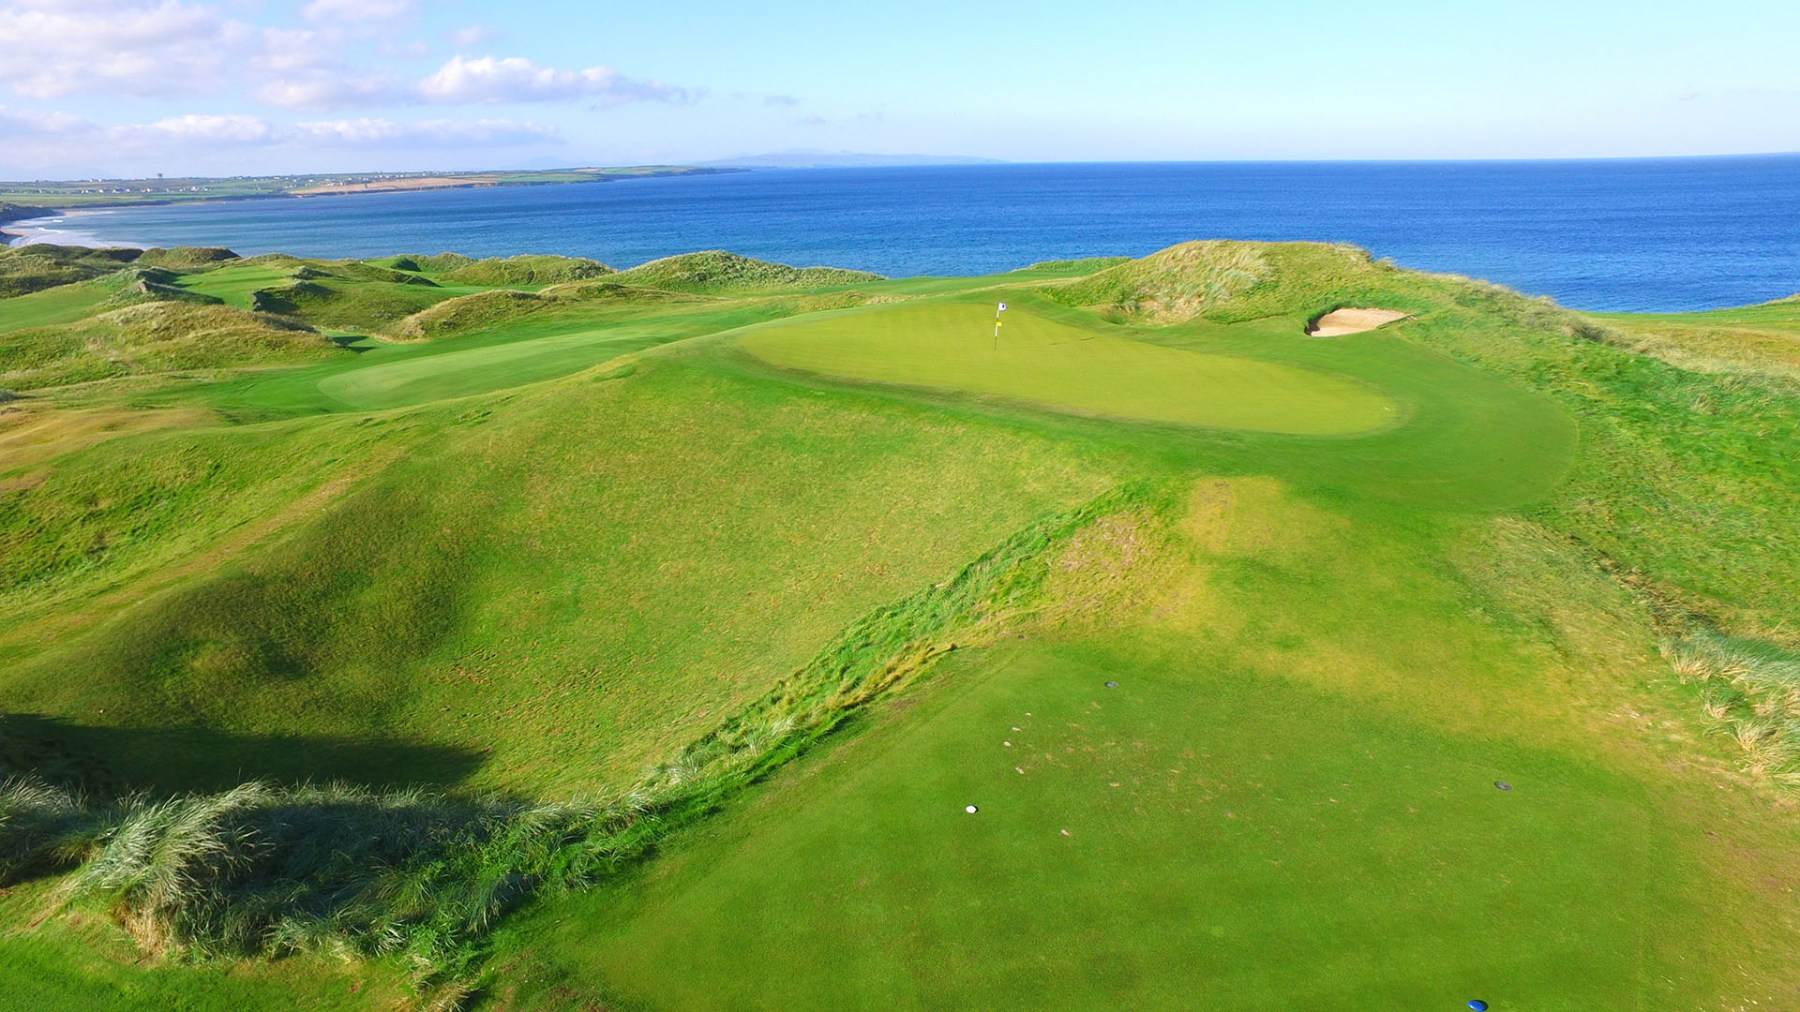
(1657, 234)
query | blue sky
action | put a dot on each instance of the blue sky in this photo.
(134, 87)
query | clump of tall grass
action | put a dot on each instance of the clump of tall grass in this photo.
(43, 828)
(265, 870)
(1178, 283)
(1752, 690)
(717, 271)
(261, 870)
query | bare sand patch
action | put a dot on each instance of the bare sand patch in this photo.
(399, 185)
(1339, 322)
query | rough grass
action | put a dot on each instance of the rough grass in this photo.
(526, 269)
(719, 272)
(1232, 282)
(76, 301)
(25, 269)
(438, 263)
(327, 301)
(186, 256)
(1751, 689)
(503, 309)
(652, 577)
(1753, 341)
(170, 333)
(256, 870)
(1178, 283)
(468, 313)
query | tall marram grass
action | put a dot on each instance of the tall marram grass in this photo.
(43, 828)
(266, 870)
(1752, 689)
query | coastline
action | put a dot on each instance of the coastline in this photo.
(29, 235)
(12, 213)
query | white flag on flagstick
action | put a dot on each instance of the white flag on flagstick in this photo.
(1002, 308)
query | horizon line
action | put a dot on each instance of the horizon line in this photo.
(977, 162)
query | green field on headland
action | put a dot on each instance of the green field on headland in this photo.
(526, 634)
(20, 200)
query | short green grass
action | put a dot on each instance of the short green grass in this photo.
(660, 540)
(1163, 843)
(1039, 360)
(63, 304)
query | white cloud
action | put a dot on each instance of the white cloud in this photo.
(359, 11)
(517, 79)
(328, 90)
(449, 132)
(163, 48)
(20, 123)
(208, 129)
(470, 36)
(285, 50)
(67, 146)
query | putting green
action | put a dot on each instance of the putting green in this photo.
(1044, 362)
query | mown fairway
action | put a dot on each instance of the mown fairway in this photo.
(706, 596)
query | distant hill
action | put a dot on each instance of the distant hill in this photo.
(806, 159)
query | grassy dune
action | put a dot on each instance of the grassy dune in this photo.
(703, 597)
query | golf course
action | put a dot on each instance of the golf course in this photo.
(1242, 626)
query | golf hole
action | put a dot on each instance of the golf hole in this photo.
(1112, 685)
(1503, 785)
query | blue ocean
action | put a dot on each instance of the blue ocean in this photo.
(1646, 235)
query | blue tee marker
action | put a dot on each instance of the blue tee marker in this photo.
(1478, 1005)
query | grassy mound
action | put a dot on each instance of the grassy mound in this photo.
(469, 313)
(495, 309)
(719, 272)
(1178, 283)
(1238, 281)
(25, 269)
(526, 269)
(161, 335)
(326, 300)
(607, 289)
(138, 285)
(82, 299)
(437, 263)
(186, 256)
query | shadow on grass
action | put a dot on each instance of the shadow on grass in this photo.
(110, 761)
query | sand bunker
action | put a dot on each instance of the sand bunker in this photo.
(1339, 322)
